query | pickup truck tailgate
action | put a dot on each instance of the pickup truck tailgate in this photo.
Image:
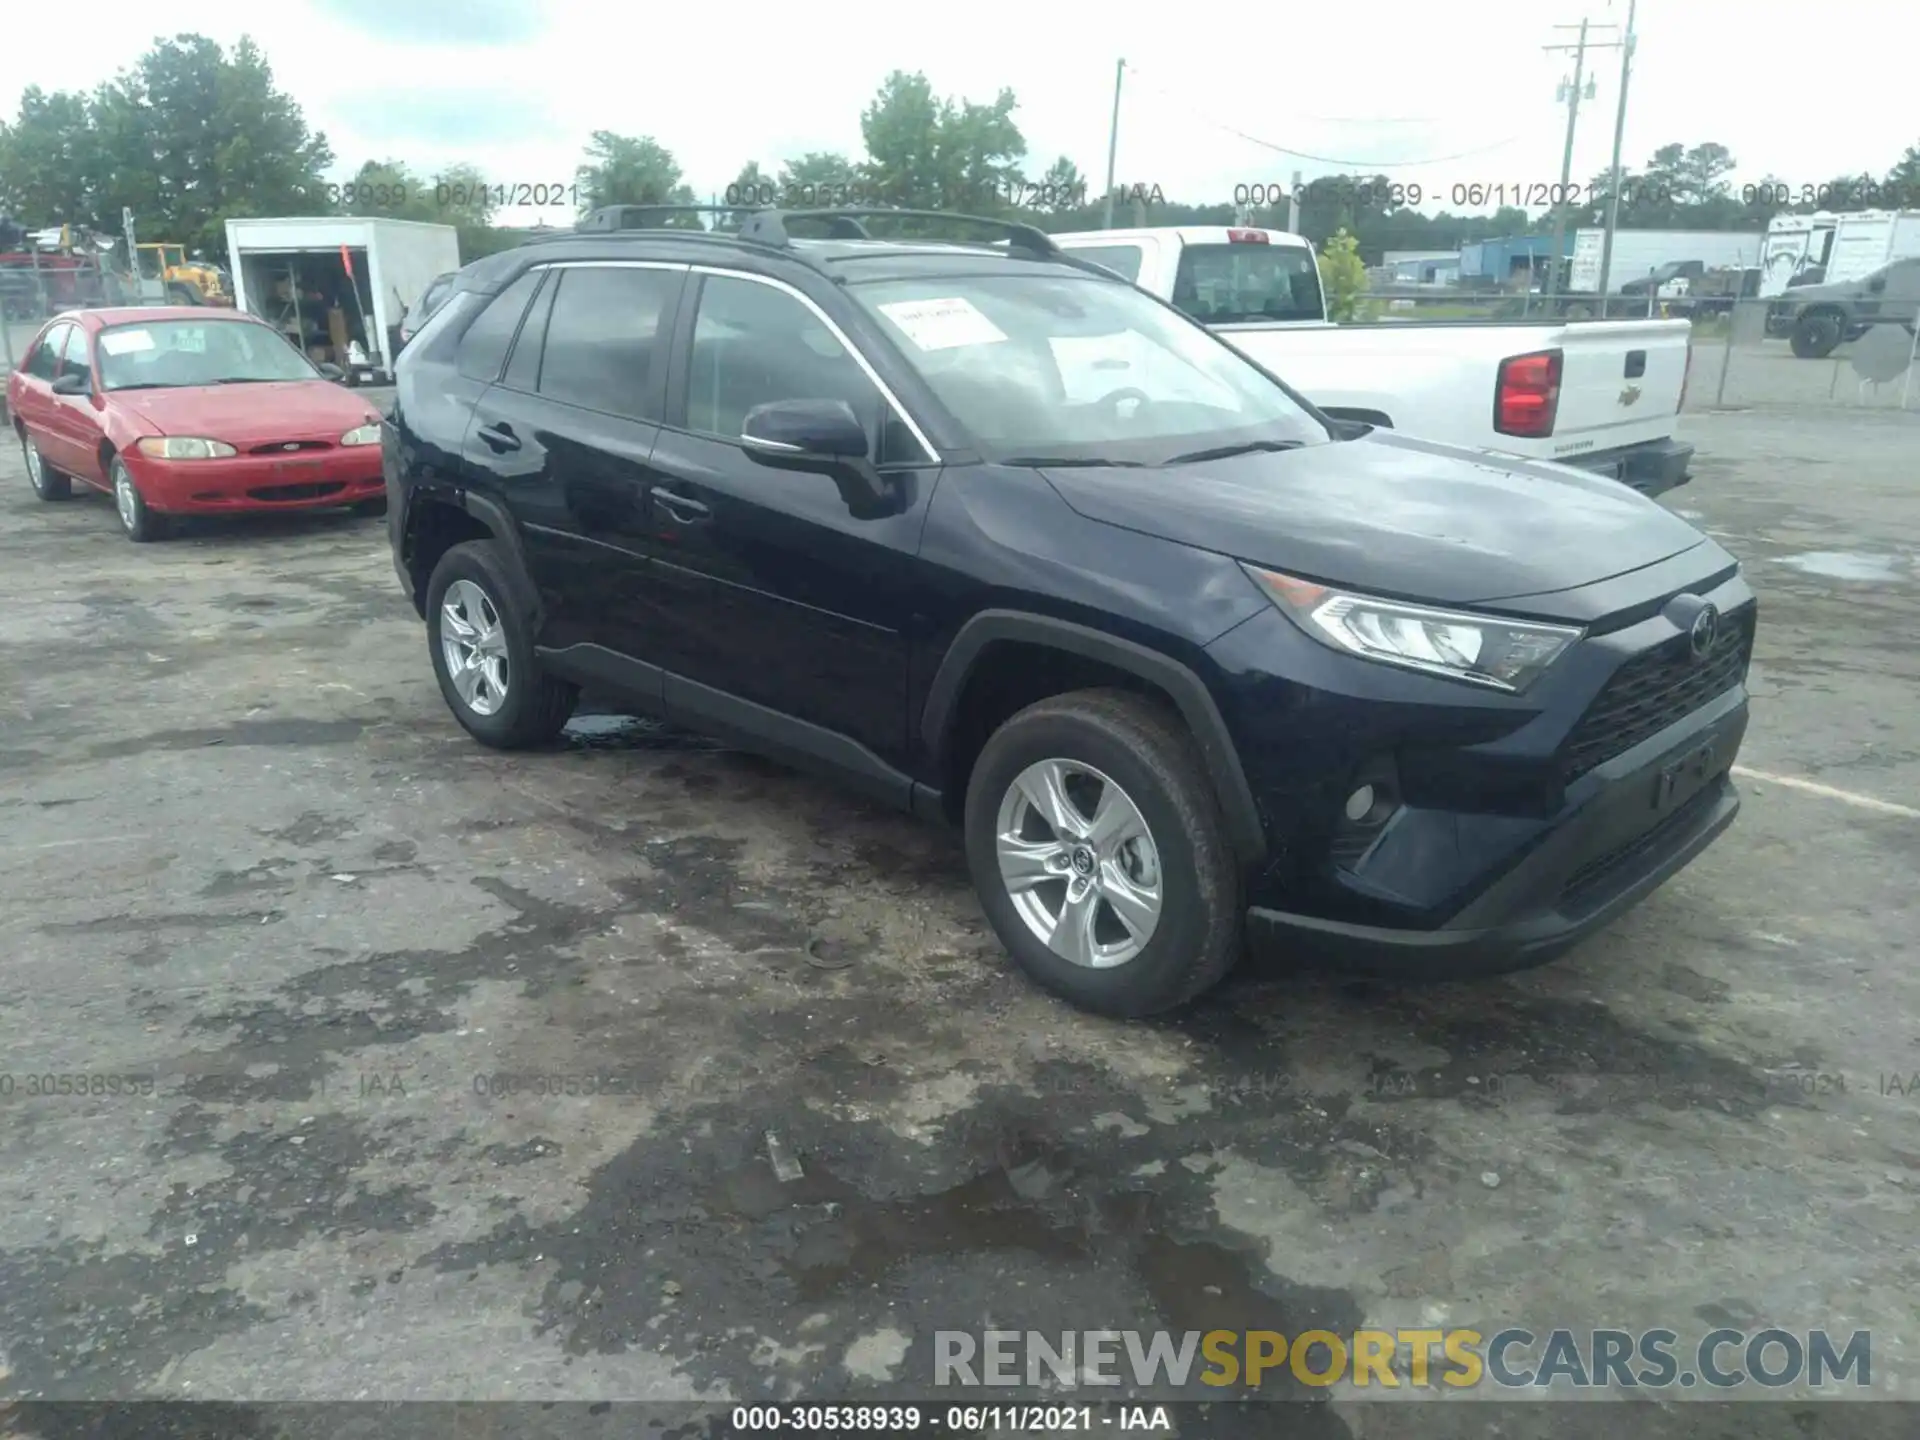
(1619, 385)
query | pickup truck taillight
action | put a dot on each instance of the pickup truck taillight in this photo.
(1526, 394)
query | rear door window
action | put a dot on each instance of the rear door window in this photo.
(523, 366)
(604, 344)
(1242, 283)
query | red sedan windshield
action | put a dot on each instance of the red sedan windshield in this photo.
(167, 354)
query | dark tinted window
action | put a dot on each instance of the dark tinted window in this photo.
(44, 363)
(1225, 284)
(484, 347)
(74, 359)
(523, 369)
(603, 337)
(1124, 259)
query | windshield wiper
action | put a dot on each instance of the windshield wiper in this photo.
(1245, 447)
(148, 385)
(242, 380)
(1067, 461)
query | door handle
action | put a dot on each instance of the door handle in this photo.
(500, 437)
(686, 511)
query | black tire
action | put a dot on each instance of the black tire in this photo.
(47, 482)
(1146, 749)
(536, 705)
(1817, 334)
(139, 521)
(368, 509)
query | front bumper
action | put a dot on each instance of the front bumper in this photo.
(1632, 833)
(1653, 467)
(343, 476)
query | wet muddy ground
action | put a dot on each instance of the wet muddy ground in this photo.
(644, 1069)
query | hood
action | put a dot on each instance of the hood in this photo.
(1395, 516)
(247, 415)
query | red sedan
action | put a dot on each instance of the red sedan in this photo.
(180, 410)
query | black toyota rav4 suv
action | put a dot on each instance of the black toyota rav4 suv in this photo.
(1004, 541)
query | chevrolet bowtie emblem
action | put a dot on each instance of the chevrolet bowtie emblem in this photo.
(1630, 394)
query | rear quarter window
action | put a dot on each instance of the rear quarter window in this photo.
(483, 349)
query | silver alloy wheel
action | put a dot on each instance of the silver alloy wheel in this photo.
(124, 498)
(36, 475)
(1079, 863)
(474, 646)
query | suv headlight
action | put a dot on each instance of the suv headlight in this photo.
(184, 447)
(368, 434)
(1480, 649)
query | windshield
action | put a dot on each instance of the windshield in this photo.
(1236, 284)
(173, 353)
(1075, 368)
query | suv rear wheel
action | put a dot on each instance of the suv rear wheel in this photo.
(1099, 853)
(483, 654)
(1818, 333)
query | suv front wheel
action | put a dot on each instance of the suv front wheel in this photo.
(1099, 853)
(483, 654)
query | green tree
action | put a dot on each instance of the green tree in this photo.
(814, 170)
(1343, 276)
(1062, 188)
(632, 170)
(1904, 179)
(192, 137)
(930, 153)
(51, 168)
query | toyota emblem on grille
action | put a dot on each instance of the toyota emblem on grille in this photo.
(1706, 625)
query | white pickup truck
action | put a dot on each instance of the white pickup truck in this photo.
(1600, 394)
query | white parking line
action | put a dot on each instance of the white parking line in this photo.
(1828, 792)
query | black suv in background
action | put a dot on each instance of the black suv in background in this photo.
(1184, 659)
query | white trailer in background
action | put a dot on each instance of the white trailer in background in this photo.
(391, 262)
(1795, 244)
(1864, 240)
(1637, 253)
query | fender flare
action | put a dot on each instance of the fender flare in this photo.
(1187, 690)
(492, 514)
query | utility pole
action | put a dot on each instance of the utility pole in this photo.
(1613, 182)
(1572, 95)
(1113, 141)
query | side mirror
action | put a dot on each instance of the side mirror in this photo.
(804, 434)
(1877, 284)
(330, 371)
(824, 436)
(71, 385)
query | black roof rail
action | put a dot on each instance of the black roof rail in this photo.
(1020, 237)
(767, 226)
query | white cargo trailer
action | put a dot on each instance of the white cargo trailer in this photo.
(1864, 240)
(337, 285)
(1637, 253)
(1795, 244)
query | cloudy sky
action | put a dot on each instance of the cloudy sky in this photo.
(515, 86)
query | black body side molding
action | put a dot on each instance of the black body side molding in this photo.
(1187, 690)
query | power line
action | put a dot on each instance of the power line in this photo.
(1234, 130)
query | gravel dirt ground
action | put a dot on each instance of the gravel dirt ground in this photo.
(431, 1072)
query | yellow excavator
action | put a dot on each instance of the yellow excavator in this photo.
(164, 272)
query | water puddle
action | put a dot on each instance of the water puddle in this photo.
(630, 732)
(1848, 565)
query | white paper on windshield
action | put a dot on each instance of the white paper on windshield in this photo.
(125, 342)
(943, 324)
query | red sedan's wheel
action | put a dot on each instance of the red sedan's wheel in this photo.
(48, 483)
(140, 523)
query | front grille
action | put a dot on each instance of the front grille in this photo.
(1655, 688)
(297, 492)
(1594, 875)
(289, 447)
